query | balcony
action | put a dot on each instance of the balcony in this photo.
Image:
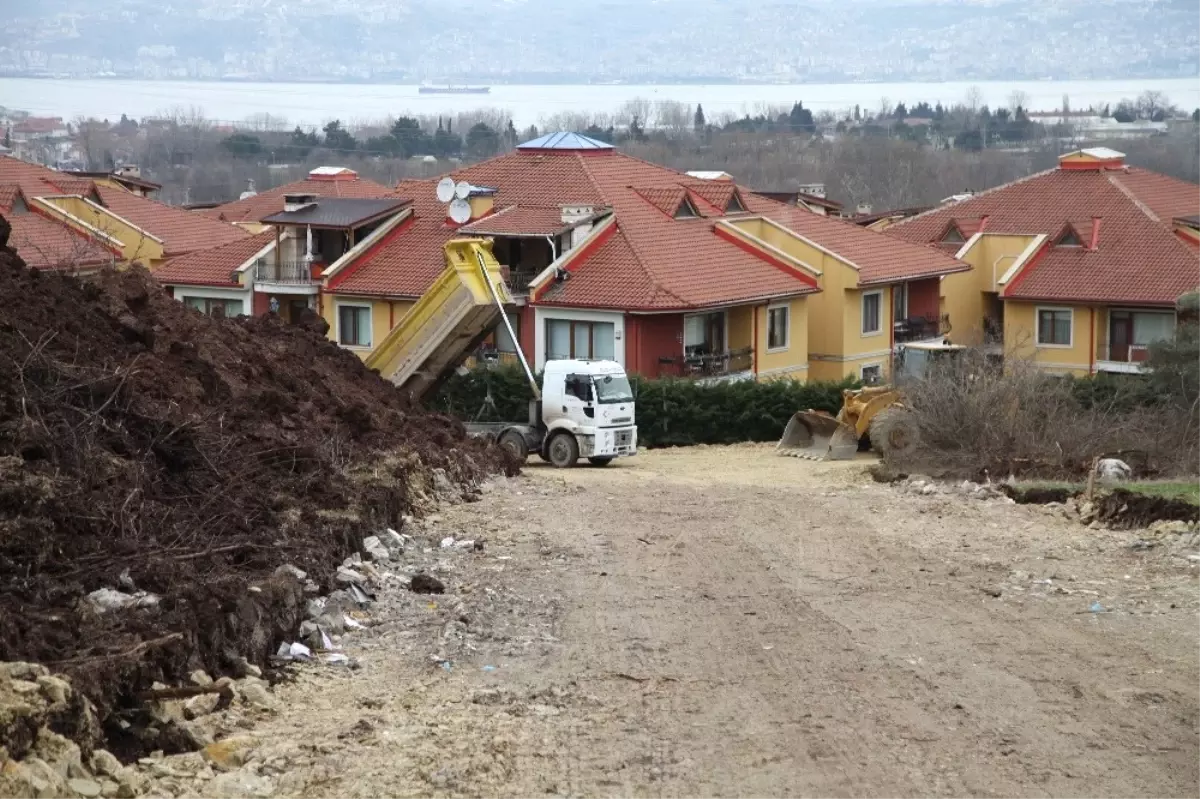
(293, 273)
(1123, 360)
(917, 328)
(731, 365)
(518, 281)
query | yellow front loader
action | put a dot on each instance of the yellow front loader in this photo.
(874, 413)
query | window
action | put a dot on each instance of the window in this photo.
(1151, 327)
(686, 210)
(704, 334)
(504, 342)
(217, 308)
(566, 338)
(953, 236)
(1054, 327)
(354, 325)
(579, 387)
(872, 374)
(872, 312)
(899, 302)
(1069, 238)
(777, 327)
(734, 206)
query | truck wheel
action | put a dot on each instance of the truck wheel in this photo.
(563, 450)
(514, 442)
(600, 461)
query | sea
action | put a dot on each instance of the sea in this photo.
(310, 104)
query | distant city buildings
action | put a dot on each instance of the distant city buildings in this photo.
(669, 40)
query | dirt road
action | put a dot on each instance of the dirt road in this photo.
(721, 621)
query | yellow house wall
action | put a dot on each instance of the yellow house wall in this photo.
(791, 362)
(740, 327)
(834, 315)
(136, 245)
(384, 313)
(962, 293)
(1020, 337)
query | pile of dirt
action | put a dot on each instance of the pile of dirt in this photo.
(1128, 510)
(147, 448)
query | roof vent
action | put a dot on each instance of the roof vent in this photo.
(332, 173)
(1093, 158)
(576, 213)
(294, 202)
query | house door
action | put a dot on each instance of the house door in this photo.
(1120, 335)
(296, 309)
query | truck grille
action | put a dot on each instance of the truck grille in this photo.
(623, 438)
(622, 420)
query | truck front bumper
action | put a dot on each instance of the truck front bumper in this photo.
(610, 443)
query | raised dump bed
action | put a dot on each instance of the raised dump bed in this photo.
(447, 323)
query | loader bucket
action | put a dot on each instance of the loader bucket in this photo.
(817, 436)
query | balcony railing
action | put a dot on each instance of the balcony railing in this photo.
(518, 281)
(294, 272)
(917, 328)
(708, 364)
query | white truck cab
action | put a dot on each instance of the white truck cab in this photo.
(590, 402)
(586, 410)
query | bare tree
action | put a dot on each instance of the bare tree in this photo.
(1018, 99)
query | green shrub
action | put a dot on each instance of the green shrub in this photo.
(670, 411)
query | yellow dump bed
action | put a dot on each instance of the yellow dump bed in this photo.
(447, 323)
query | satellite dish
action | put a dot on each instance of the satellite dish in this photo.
(445, 190)
(460, 210)
(463, 190)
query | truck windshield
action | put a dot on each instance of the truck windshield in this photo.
(613, 388)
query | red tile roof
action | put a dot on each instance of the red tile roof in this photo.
(513, 220)
(652, 261)
(406, 261)
(39, 181)
(181, 231)
(877, 257)
(270, 201)
(214, 266)
(46, 243)
(1137, 258)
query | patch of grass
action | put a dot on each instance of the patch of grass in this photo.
(1188, 491)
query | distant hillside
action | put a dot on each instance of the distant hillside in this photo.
(535, 41)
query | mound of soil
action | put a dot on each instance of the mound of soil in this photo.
(144, 446)
(1127, 510)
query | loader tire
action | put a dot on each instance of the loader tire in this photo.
(894, 434)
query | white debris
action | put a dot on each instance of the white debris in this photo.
(295, 571)
(375, 548)
(350, 576)
(1113, 469)
(104, 600)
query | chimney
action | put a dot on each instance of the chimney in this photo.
(294, 202)
(863, 209)
(130, 171)
(481, 204)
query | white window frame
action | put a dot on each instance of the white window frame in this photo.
(787, 326)
(338, 306)
(862, 370)
(862, 314)
(1037, 327)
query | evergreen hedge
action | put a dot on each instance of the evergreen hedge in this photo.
(670, 411)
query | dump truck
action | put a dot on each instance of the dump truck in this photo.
(873, 417)
(583, 409)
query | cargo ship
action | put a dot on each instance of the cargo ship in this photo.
(455, 90)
